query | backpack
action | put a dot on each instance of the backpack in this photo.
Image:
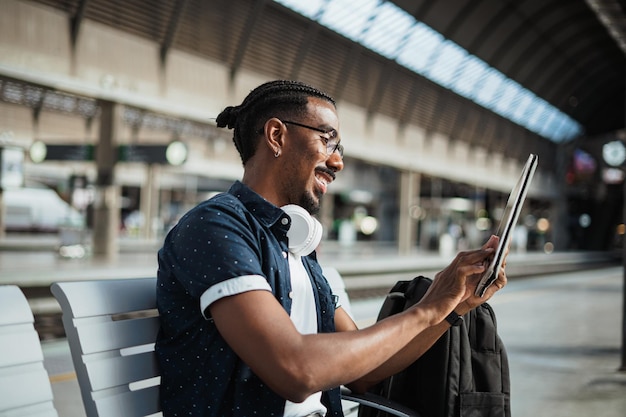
(464, 374)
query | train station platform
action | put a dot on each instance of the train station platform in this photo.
(559, 316)
(562, 333)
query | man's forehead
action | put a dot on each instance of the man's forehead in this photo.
(324, 111)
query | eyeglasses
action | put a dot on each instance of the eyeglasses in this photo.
(331, 141)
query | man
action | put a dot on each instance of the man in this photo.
(249, 324)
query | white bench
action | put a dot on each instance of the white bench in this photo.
(25, 388)
(111, 327)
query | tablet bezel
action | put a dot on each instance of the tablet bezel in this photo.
(508, 222)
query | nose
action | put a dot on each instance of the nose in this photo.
(335, 162)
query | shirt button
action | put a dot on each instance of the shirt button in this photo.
(284, 254)
(284, 221)
(290, 294)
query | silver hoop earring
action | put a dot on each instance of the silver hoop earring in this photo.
(277, 154)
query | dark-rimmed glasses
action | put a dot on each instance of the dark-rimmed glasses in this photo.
(331, 141)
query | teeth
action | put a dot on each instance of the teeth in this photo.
(322, 179)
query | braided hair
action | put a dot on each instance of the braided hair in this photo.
(281, 98)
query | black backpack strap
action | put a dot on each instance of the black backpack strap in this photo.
(490, 367)
(394, 301)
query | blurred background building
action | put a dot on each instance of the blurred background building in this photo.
(107, 114)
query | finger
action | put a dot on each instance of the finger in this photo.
(475, 257)
(492, 242)
(501, 280)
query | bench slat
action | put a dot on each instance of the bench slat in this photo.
(24, 384)
(105, 336)
(130, 404)
(97, 298)
(112, 372)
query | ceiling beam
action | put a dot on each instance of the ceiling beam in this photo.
(253, 18)
(172, 27)
(611, 15)
(76, 20)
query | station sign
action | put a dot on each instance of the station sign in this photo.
(175, 153)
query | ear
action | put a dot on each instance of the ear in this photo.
(274, 135)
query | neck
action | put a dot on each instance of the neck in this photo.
(259, 176)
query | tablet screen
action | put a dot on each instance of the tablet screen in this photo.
(507, 224)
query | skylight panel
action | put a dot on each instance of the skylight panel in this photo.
(309, 8)
(470, 74)
(538, 115)
(551, 122)
(445, 68)
(570, 129)
(422, 42)
(347, 20)
(508, 94)
(388, 30)
(520, 108)
(486, 91)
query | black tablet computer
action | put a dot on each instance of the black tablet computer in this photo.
(507, 224)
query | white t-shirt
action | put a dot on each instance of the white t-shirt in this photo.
(304, 317)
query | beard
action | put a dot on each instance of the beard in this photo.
(311, 203)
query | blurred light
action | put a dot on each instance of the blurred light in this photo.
(621, 228)
(483, 223)
(176, 153)
(37, 151)
(543, 225)
(72, 251)
(360, 196)
(548, 247)
(584, 220)
(417, 213)
(530, 221)
(612, 175)
(459, 204)
(584, 162)
(614, 153)
(368, 225)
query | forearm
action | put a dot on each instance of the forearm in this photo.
(406, 356)
(346, 356)
(416, 348)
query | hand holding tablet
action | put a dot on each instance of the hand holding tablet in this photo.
(507, 224)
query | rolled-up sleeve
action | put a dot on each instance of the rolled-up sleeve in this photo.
(230, 287)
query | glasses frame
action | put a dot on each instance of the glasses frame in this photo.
(331, 147)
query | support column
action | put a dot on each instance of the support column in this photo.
(326, 214)
(2, 209)
(107, 201)
(622, 367)
(559, 213)
(409, 197)
(149, 200)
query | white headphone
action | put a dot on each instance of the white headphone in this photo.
(305, 232)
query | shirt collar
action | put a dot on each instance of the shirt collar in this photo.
(265, 212)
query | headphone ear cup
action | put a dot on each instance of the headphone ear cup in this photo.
(305, 233)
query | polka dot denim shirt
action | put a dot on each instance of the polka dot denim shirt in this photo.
(231, 235)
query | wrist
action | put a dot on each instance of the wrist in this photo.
(454, 319)
(463, 308)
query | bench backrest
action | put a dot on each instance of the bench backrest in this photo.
(111, 327)
(25, 388)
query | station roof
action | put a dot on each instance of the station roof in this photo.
(568, 53)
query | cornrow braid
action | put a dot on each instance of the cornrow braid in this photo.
(280, 98)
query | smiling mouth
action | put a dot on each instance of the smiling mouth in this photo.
(324, 178)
